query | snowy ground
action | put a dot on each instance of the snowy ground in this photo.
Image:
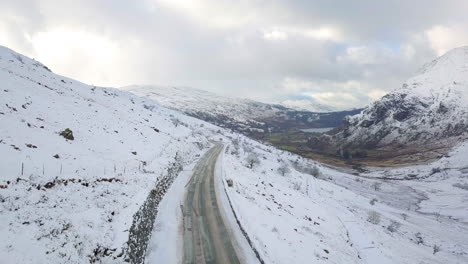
(342, 218)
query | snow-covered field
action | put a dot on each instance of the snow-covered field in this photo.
(326, 216)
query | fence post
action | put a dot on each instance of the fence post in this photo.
(22, 168)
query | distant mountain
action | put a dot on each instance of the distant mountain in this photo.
(246, 116)
(429, 112)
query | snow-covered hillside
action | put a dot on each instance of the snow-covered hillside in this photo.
(72, 200)
(194, 101)
(298, 211)
(245, 116)
(430, 107)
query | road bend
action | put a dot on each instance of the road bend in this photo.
(206, 238)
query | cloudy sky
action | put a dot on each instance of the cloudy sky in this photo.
(340, 53)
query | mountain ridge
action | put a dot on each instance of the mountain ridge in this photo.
(242, 115)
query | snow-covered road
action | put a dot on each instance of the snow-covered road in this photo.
(206, 238)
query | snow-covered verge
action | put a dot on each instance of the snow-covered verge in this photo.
(298, 211)
(72, 200)
(167, 233)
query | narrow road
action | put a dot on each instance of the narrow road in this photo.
(206, 239)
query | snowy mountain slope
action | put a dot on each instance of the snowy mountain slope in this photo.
(242, 115)
(307, 105)
(430, 110)
(193, 101)
(72, 201)
(304, 215)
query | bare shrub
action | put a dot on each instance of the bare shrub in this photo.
(304, 168)
(437, 215)
(404, 216)
(176, 121)
(373, 217)
(435, 249)
(297, 186)
(435, 170)
(376, 186)
(418, 238)
(463, 186)
(394, 226)
(147, 107)
(373, 201)
(235, 147)
(284, 169)
(252, 160)
(314, 171)
(247, 147)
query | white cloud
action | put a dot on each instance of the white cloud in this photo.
(275, 34)
(324, 33)
(269, 51)
(445, 38)
(212, 13)
(320, 33)
(367, 55)
(376, 94)
(81, 54)
(340, 95)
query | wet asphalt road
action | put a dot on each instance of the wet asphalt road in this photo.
(206, 239)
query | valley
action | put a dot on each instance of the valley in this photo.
(104, 175)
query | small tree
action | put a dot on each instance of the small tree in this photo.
(435, 249)
(252, 160)
(373, 217)
(284, 169)
(418, 238)
(176, 121)
(314, 171)
(394, 226)
(235, 147)
(404, 216)
(376, 186)
(297, 186)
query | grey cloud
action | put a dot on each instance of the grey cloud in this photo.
(222, 46)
